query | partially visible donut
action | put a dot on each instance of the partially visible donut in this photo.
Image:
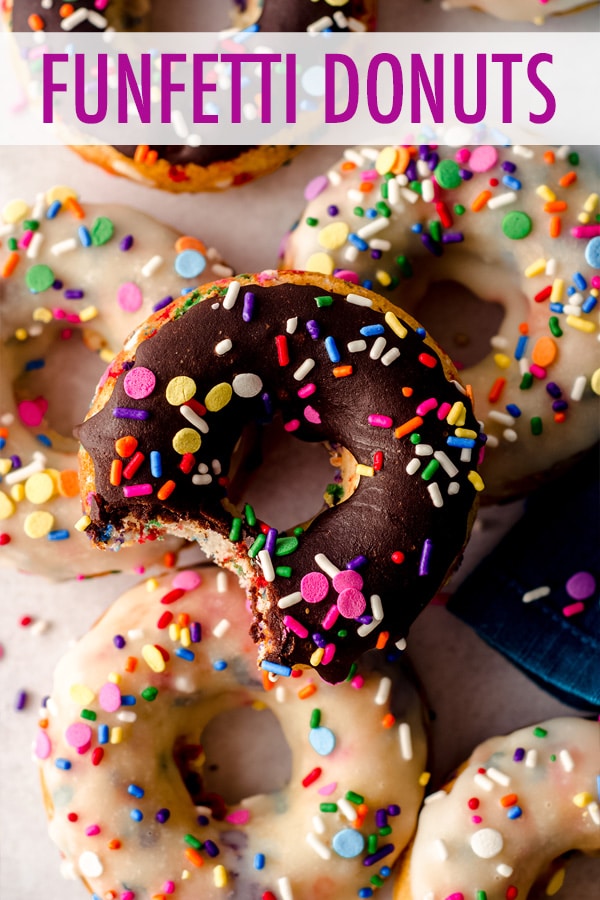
(517, 810)
(71, 273)
(339, 366)
(516, 227)
(305, 15)
(125, 783)
(536, 11)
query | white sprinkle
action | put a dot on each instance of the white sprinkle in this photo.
(354, 156)
(357, 300)
(570, 309)
(264, 558)
(334, 177)
(394, 195)
(34, 245)
(285, 888)
(126, 716)
(289, 600)
(551, 266)
(216, 466)
(435, 494)
(499, 777)
(383, 691)
(531, 759)
(575, 299)
(423, 449)
(378, 347)
(566, 760)
(379, 244)
(221, 628)
(578, 388)
(203, 468)
(38, 464)
(525, 152)
(280, 693)
(405, 737)
(502, 200)
(445, 462)
(502, 418)
(483, 782)
(401, 644)
(97, 20)
(504, 870)
(135, 634)
(355, 196)
(222, 271)
(318, 846)
(440, 850)
(7, 229)
(423, 168)
(498, 342)
(75, 19)
(523, 365)
(318, 824)
(89, 863)
(221, 582)
(39, 206)
(346, 809)
(320, 25)
(201, 479)
(510, 435)
(193, 418)
(594, 812)
(356, 24)
(364, 630)
(303, 370)
(340, 19)
(63, 247)
(350, 253)
(326, 565)
(563, 151)
(373, 227)
(357, 346)
(535, 594)
(453, 488)
(402, 179)
(231, 294)
(291, 325)
(409, 195)
(432, 798)
(389, 357)
(376, 607)
(223, 347)
(413, 466)
(39, 627)
(427, 191)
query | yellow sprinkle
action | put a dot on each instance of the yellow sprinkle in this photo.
(457, 414)
(476, 480)
(558, 288)
(384, 278)
(502, 360)
(580, 324)
(584, 218)
(88, 313)
(180, 390)
(114, 677)
(21, 334)
(14, 211)
(333, 236)
(317, 656)
(545, 193)
(39, 488)
(187, 440)
(61, 193)
(583, 799)
(424, 778)
(392, 320)
(153, 658)
(555, 883)
(83, 523)
(595, 292)
(386, 160)
(38, 524)
(41, 314)
(595, 382)
(107, 355)
(5, 466)
(218, 397)
(185, 874)
(7, 507)
(466, 433)
(81, 694)
(185, 637)
(258, 705)
(591, 203)
(151, 584)
(174, 631)
(367, 471)
(116, 734)
(17, 492)
(321, 263)
(536, 268)
(220, 876)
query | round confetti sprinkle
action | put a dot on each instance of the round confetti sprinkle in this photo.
(187, 440)
(348, 843)
(38, 524)
(218, 397)
(14, 211)
(516, 225)
(483, 159)
(42, 746)
(247, 385)
(581, 586)
(139, 382)
(180, 390)
(322, 740)
(447, 174)
(39, 278)
(90, 865)
(592, 253)
(78, 735)
(187, 580)
(129, 297)
(487, 843)
(351, 603)
(347, 579)
(102, 230)
(39, 488)
(60, 192)
(190, 263)
(386, 160)
(109, 697)
(314, 587)
(31, 412)
(316, 187)
(7, 507)
(595, 382)
(333, 236)
(320, 262)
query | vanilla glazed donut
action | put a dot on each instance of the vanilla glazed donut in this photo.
(517, 227)
(338, 366)
(520, 804)
(71, 274)
(536, 11)
(120, 748)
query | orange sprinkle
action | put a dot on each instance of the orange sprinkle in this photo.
(388, 720)
(169, 559)
(365, 187)
(66, 10)
(496, 390)
(159, 897)
(4, 432)
(523, 327)
(544, 352)
(194, 857)
(183, 620)
(11, 264)
(559, 417)
(470, 394)
(407, 392)
(555, 226)
(67, 483)
(508, 800)
(116, 472)
(35, 22)
(549, 157)
(481, 200)
(131, 664)
(402, 161)
(342, 371)
(185, 242)
(307, 691)
(268, 685)
(409, 426)
(568, 179)
(43, 723)
(74, 208)
(110, 895)
(115, 844)
(151, 157)
(166, 490)
(382, 640)
(126, 446)
(347, 166)
(141, 152)
(555, 206)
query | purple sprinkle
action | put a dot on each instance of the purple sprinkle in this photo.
(378, 855)
(357, 562)
(122, 412)
(508, 166)
(560, 405)
(313, 329)
(126, 243)
(364, 620)
(162, 303)
(381, 818)
(319, 640)
(266, 399)
(248, 306)
(554, 390)
(195, 632)
(411, 170)
(73, 294)
(393, 809)
(211, 848)
(316, 187)
(465, 174)
(119, 641)
(21, 700)
(431, 245)
(433, 161)
(425, 557)
(162, 815)
(16, 461)
(453, 237)
(424, 151)
(375, 254)
(519, 755)
(332, 210)
(270, 542)
(202, 820)
(57, 285)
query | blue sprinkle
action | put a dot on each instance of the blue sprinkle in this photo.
(368, 284)
(417, 228)
(332, 350)
(513, 409)
(259, 861)
(512, 183)
(34, 364)
(84, 236)
(127, 243)
(372, 330)
(189, 263)
(60, 534)
(184, 653)
(53, 209)
(73, 294)
(589, 304)
(128, 700)
(357, 562)
(62, 763)
(276, 668)
(119, 641)
(211, 848)
(135, 791)
(44, 440)
(556, 307)
(365, 892)
(137, 815)
(521, 346)
(322, 740)
(385, 871)
(508, 166)
(2, 443)
(579, 281)
(371, 213)
(348, 843)
(420, 332)
(268, 405)
(459, 442)
(515, 812)
(571, 290)
(357, 241)
(155, 463)
(434, 248)
(219, 665)
(103, 734)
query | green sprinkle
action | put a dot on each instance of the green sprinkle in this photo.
(435, 230)
(526, 381)
(283, 571)
(372, 842)
(88, 714)
(102, 230)
(298, 530)
(384, 190)
(236, 529)
(324, 301)
(459, 209)
(447, 174)
(376, 880)
(39, 278)
(342, 633)
(553, 757)
(193, 842)
(150, 694)
(481, 895)
(31, 225)
(573, 158)
(415, 438)
(388, 176)
(383, 832)
(336, 491)
(430, 470)
(405, 266)
(536, 428)
(250, 515)
(352, 672)
(383, 209)
(555, 326)
(516, 225)
(315, 718)
(259, 542)
(310, 220)
(12, 243)
(353, 797)
(540, 732)
(416, 187)
(286, 545)
(328, 807)
(358, 211)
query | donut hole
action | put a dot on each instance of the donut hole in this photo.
(58, 376)
(236, 744)
(460, 321)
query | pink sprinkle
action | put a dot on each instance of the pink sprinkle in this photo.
(79, 735)
(330, 618)
(128, 895)
(537, 371)
(573, 608)
(129, 297)
(347, 275)
(169, 886)
(139, 383)
(187, 580)
(328, 789)
(443, 411)
(358, 682)
(306, 390)
(315, 187)
(293, 425)
(585, 231)
(483, 159)
(101, 4)
(595, 282)
(581, 586)
(380, 421)
(238, 816)
(328, 654)
(109, 697)
(462, 155)
(311, 415)
(25, 240)
(476, 820)
(32, 412)
(455, 896)
(295, 626)
(426, 406)
(348, 578)
(91, 830)
(42, 746)
(314, 587)
(137, 490)
(351, 603)
(369, 175)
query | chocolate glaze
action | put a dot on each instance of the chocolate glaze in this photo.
(298, 16)
(22, 9)
(391, 511)
(204, 155)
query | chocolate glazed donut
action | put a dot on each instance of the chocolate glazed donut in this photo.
(339, 367)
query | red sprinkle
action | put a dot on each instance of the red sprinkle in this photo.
(511, 892)
(473, 803)
(283, 355)
(72, 817)
(496, 390)
(4, 539)
(398, 557)
(378, 460)
(188, 461)
(172, 596)
(165, 619)
(97, 756)
(311, 777)
(543, 294)
(426, 359)
(25, 621)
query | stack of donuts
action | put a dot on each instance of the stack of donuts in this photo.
(139, 376)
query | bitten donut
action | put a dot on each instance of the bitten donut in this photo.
(338, 366)
(521, 802)
(73, 276)
(515, 227)
(536, 11)
(123, 769)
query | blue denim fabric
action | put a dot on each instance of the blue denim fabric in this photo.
(558, 535)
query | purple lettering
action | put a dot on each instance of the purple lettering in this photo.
(480, 87)
(433, 94)
(265, 60)
(506, 60)
(127, 80)
(167, 86)
(542, 88)
(352, 92)
(373, 88)
(201, 87)
(290, 88)
(51, 86)
(80, 91)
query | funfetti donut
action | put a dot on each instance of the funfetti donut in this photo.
(517, 810)
(305, 15)
(339, 366)
(439, 230)
(536, 11)
(74, 280)
(121, 747)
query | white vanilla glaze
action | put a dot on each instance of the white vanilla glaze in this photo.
(536, 11)
(359, 746)
(35, 330)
